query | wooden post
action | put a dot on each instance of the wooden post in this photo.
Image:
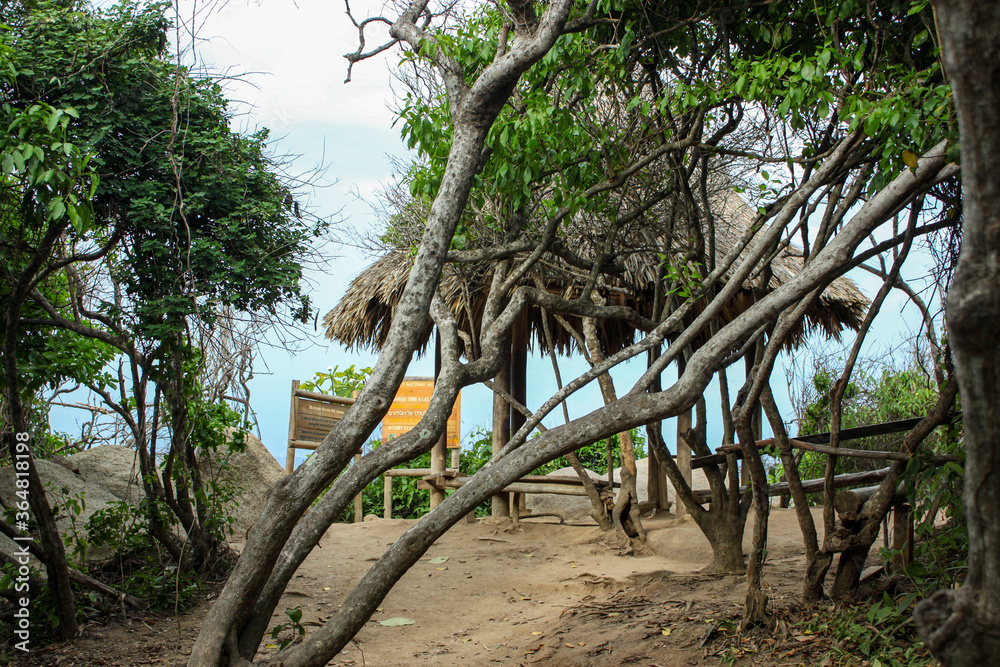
(653, 478)
(683, 449)
(519, 392)
(439, 454)
(501, 427)
(387, 498)
(456, 455)
(755, 421)
(359, 503)
(683, 454)
(290, 458)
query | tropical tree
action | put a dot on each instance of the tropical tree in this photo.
(559, 112)
(144, 233)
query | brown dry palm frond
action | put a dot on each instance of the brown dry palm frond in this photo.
(363, 315)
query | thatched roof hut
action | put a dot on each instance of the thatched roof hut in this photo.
(362, 317)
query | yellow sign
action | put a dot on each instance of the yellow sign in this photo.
(409, 406)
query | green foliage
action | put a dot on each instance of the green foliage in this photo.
(138, 567)
(595, 455)
(409, 502)
(337, 382)
(294, 624)
(602, 96)
(881, 635)
(874, 395)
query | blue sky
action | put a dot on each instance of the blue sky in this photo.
(286, 64)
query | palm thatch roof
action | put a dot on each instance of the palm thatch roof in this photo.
(362, 317)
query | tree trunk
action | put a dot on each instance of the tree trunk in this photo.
(19, 444)
(625, 514)
(755, 611)
(962, 627)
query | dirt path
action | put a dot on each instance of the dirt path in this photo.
(544, 593)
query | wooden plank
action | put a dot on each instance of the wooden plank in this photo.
(324, 398)
(556, 489)
(303, 444)
(412, 472)
(846, 434)
(811, 485)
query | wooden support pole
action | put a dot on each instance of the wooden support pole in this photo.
(359, 501)
(387, 497)
(501, 427)
(290, 457)
(683, 448)
(683, 454)
(653, 478)
(519, 392)
(439, 453)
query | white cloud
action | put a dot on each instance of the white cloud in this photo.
(292, 52)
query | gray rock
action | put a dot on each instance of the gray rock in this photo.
(63, 485)
(570, 508)
(698, 481)
(113, 467)
(253, 472)
(576, 508)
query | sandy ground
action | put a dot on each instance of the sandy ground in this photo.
(541, 593)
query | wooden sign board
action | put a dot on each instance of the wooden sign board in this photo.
(409, 406)
(315, 419)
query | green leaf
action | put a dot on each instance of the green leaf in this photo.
(438, 559)
(396, 621)
(910, 159)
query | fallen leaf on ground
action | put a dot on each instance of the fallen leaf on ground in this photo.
(439, 559)
(396, 620)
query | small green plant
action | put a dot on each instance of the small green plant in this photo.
(880, 636)
(294, 624)
(75, 539)
(338, 382)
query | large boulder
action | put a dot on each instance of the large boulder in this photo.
(252, 472)
(575, 508)
(570, 508)
(698, 481)
(113, 467)
(66, 491)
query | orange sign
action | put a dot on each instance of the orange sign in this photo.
(409, 406)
